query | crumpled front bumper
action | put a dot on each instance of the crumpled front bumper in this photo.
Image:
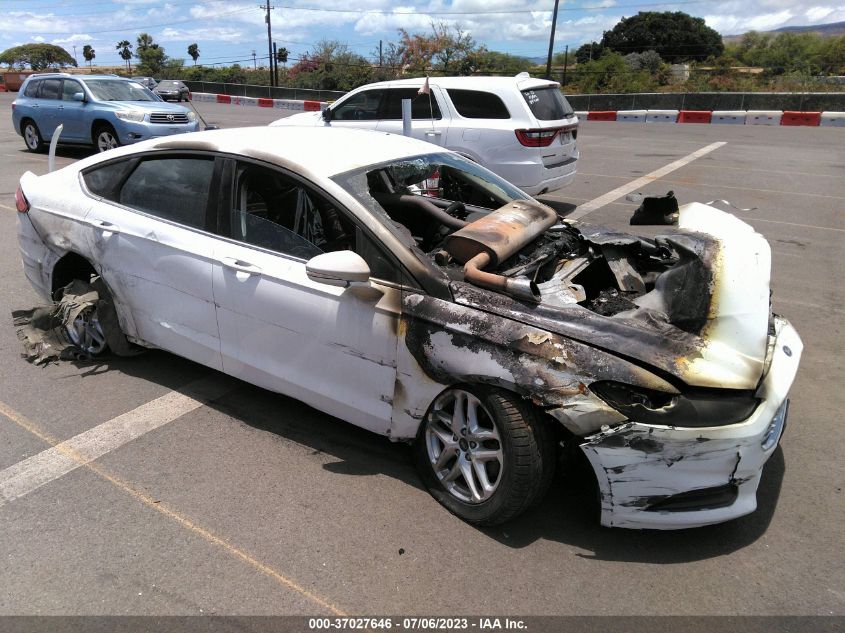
(640, 467)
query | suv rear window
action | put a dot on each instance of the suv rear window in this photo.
(476, 104)
(547, 104)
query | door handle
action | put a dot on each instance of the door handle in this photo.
(240, 266)
(106, 227)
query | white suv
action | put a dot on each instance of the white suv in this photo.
(521, 128)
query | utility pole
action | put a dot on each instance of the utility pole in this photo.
(254, 63)
(380, 55)
(565, 64)
(274, 66)
(269, 39)
(551, 42)
(74, 55)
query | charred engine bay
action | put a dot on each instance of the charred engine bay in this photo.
(612, 274)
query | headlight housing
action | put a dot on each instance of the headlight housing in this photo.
(694, 408)
(192, 116)
(130, 115)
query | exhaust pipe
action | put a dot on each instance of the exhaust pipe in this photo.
(492, 239)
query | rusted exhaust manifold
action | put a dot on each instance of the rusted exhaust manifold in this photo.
(492, 239)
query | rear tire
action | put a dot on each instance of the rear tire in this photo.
(484, 454)
(32, 136)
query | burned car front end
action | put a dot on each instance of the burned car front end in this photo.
(659, 357)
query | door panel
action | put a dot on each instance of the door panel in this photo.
(72, 113)
(162, 272)
(333, 348)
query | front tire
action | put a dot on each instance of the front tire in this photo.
(32, 136)
(105, 138)
(483, 453)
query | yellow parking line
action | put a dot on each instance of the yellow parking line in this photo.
(204, 533)
(7, 208)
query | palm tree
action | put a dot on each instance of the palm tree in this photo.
(125, 49)
(194, 52)
(88, 53)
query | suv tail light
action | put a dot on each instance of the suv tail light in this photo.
(21, 203)
(543, 137)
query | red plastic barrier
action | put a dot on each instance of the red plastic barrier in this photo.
(190, 97)
(265, 103)
(224, 99)
(311, 106)
(2, 88)
(694, 116)
(800, 118)
(602, 115)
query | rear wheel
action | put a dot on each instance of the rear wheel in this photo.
(106, 138)
(86, 332)
(32, 136)
(483, 454)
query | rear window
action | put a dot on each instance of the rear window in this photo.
(50, 89)
(475, 104)
(547, 104)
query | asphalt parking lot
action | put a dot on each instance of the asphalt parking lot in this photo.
(257, 504)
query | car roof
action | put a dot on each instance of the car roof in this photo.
(70, 76)
(522, 81)
(320, 150)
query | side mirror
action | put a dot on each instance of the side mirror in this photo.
(79, 96)
(327, 115)
(339, 268)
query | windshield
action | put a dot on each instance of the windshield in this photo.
(169, 84)
(118, 90)
(548, 104)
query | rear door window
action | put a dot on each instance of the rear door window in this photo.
(476, 104)
(50, 89)
(174, 188)
(547, 104)
(422, 106)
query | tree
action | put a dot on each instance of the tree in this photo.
(37, 56)
(448, 50)
(675, 36)
(88, 53)
(588, 52)
(648, 60)
(194, 52)
(125, 50)
(282, 55)
(330, 66)
(151, 57)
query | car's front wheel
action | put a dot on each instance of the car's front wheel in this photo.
(32, 137)
(106, 138)
(484, 454)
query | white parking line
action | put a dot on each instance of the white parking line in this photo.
(598, 203)
(53, 463)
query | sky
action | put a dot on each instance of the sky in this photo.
(229, 31)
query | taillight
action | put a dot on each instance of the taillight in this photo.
(544, 137)
(21, 203)
(536, 138)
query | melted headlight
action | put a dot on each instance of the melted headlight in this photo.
(694, 408)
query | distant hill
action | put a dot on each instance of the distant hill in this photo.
(834, 29)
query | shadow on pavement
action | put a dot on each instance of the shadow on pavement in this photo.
(568, 515)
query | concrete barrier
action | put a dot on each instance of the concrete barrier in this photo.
(631, 116)
(602, 115)
(791, 117)
(832, 119)
(731, 117)
(763, 117)
(694, 116)
(661, 116)
(582, 114)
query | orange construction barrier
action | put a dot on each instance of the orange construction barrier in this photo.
(694, 116)
(801, 118)
(602, 115)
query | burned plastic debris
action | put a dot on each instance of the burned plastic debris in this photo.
(43, 330)
(657, 210)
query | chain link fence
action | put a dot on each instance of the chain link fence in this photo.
(268, 92)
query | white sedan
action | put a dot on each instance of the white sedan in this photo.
(415, 294)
